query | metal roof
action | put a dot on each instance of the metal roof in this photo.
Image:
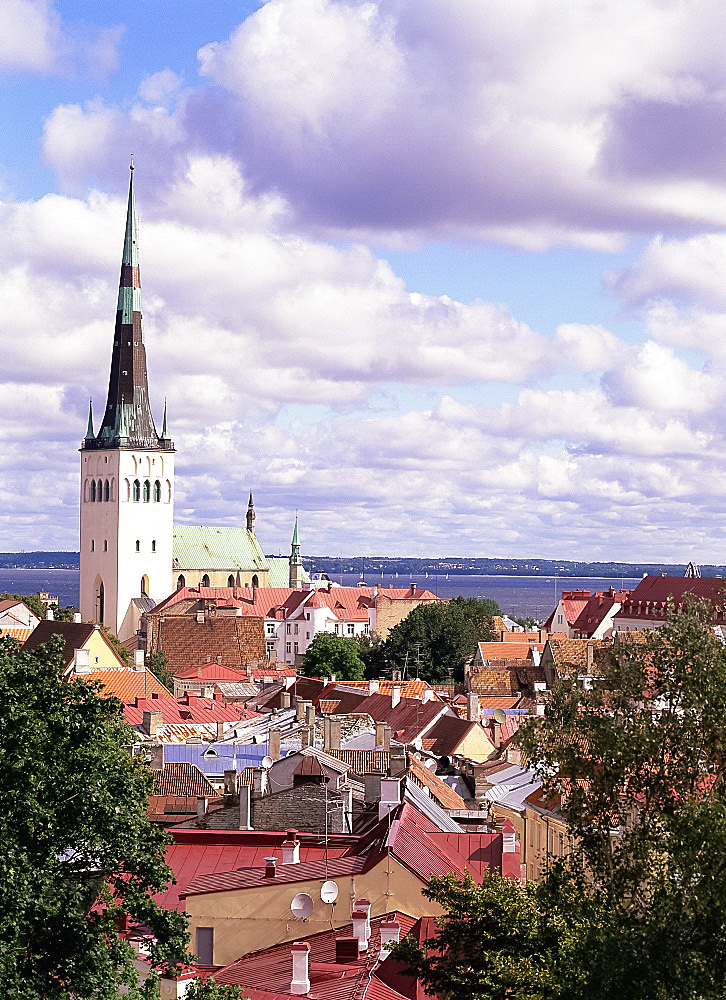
(208, 547)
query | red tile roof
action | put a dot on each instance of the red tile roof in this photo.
(125, 683)
(212, 672)
(190, 710)
(181, 778)
(649, 599)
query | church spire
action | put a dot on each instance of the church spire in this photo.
(251, 515)
(127, 420)
(296, 569)
(89, 430)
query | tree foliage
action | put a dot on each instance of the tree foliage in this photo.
(158, 664)
(435, 640)
(333, 654)
(72, 824)
(211, 990)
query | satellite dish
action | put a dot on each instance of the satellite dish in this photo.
(500, 716)
(329, 892)
(302, 905)
(267, 762)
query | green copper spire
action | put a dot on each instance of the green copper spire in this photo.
(295, 547)
(89, 430)
(129, 293)
(164, 433)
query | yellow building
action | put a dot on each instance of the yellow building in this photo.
(86, 645)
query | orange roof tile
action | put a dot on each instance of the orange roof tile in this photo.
(125, 683)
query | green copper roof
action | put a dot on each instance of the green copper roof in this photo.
(295, 547)
(279, 575)
(89, 429)
(201, 547)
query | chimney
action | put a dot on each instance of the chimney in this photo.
(346, 950)
(245, 811)
(427, 695)
(156, 750)
(199, 670)
(334, 734)
(77, 617)
(390, 796)
(372, 785)
(200, 617)
(291, 849)
(472, 706)
(333, 678)
(590, 656)
(274, 744)
(395, 695)
(219, 659)
(390, 934)
(284, 699)
(364, 906)
(300, 705)
(381, 735)
(289, 682)
(300, 976)
(509, 841)
(49, 616)
(270, 867)
(151, 722)
(230, 783)
(360, 921)
(307, 737)
(374, 687)
(202, 806)
(138, 659)
(309, 714)
(220, 730)
(397, 763)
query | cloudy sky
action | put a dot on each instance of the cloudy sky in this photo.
(448, 278)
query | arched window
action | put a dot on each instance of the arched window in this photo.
(147, 491)
(137, 490)
(230, 580)
(144, 586)
(180, 582)
(105, 545)
(106, 491)
(255, 581)
(86, 491)
(93, 490)
(205, 580)
(113, 489)
(127, 490)
(93, 545)
(168, 491)
(138, 545)
(100, 601)
(153, 545)
(99, 491)
(157, 491)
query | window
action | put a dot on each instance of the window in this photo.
(351, 628)
(180, 582)
(365, 629)
(157, 491)
(287, 647)
(86, 492)
(138, 545)
(93, 490)
(99, 491)
(100, 602)
(297, 630)
(137, 490)
(288, 629)
(255, 580)
(205, 580)
(337, 629)
(559, 619)
(307, 635)
(147, 491)
(205, 945)
(153, 545)
(297, 647)
(93, 546)
(270, 647)
(144, 586)
(270, 628)
(106, 491)
(307, 616)
(168, 491)
(105, 545)
(127, 490)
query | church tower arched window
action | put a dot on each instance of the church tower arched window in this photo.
(147, 491)
(180, 582)
(137, 490)
(106, 491)
(205, 580)
(93, 490)
(157, 491)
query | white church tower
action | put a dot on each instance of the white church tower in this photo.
(127, 476)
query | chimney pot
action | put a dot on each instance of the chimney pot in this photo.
(49, 616)
(395, 695)
(270, 867)
(77, 617)
(300, 964)
(390, 934)
(360, 921)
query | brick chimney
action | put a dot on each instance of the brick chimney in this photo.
(472, 706)
(151, 722)
(309, 714)
(346, 950)
(284, 699)
(360, 920)
(274, 743)
(390, 934)
(300, 963)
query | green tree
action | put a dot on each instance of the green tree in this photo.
(32, 601)
(72, 825)
(64, 614)
(333, 654)
(436, 639)
(372, 650)
(636, 758)
(158, 664)
(122, 651)
(501, 940)
(211, 990)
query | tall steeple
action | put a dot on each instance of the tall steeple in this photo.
(251, 515)
(296, 567)
(127, 420)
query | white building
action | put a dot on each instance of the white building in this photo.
(127, 476)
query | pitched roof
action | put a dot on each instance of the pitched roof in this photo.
(75, 636)
(21, 634)
(191, 710)
(509, 650)
(207, 547)
(439, 791)
(181, 778)
(126, 683)
(597, 609)
(447, 734)
(573, 652)
(211, 672)
(649, 599)
(189, 644)
(408, 719)
(409, 689)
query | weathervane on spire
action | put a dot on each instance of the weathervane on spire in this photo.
(132, 162)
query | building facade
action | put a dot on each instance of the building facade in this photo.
(127, 475)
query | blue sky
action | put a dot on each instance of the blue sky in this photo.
(445, 278)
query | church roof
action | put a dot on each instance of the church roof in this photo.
(206, 547)
(279, 575)
(127, 421)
